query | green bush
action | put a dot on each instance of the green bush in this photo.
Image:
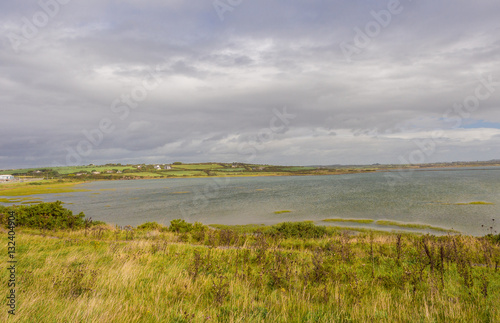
(44, 216)
(150, 226)
(180, 226)
(493, 238)
(95, 223)
(305, 230)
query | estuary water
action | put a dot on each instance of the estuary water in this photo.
(437, 197)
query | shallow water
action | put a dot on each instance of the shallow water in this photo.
(426, 197)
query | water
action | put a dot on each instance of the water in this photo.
(426, 197)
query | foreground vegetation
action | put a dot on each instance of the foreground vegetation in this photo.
(294, 272)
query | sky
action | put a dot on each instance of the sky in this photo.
(272, 82)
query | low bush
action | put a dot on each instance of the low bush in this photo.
(305, 230)
(493, 238)
(181, 226)
(46, 216)
(150, 226)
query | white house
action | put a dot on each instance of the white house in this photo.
(158, 167)
(168, 167)
(6, 178)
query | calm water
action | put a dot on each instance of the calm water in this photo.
(417, 197)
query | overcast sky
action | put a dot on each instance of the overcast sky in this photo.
(278, 82)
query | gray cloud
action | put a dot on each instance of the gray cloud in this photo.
(216, 83)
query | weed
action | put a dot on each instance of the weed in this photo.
(75, 282)
(219, 289)
(194, 269)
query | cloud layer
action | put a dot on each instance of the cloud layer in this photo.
(358, 82)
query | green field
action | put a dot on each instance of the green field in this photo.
(197, 166)
(69, 169)
(181, 173)
(297, 169)
(46, 187)
(180, 170)
(252, 274)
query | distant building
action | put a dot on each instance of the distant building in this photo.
(96, 173)
(6, 178)
(168, 167)
(158, 167)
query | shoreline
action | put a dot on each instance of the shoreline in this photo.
(54, 186)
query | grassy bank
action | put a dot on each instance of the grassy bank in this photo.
(283, 273)
(413, 226)
(40, 187)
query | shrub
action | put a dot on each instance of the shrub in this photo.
(303, 230)
(149, 226)
(493, 238)
(94, 223)
(45, 216)
(180, 226)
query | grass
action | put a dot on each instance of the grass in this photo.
(466, 203)
(241, 228)
(109, 274)
(197, 166)
(349, 220)
(475, 203)
(69, 169)
(49, 187)
(19, 200)
(181, 173)
(413, 226)
(282, 211)
(298, 168)
(78, 169)
(182, 170)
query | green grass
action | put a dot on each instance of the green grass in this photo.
(241, 228)
(297, 168)
(475, 203)
(282, 211)
(78, 169)
(349, 220)
(69, 169)
(24, 189)
(106, 274)
(197, 166)
(413, 226)
(181, 173)
(183, 170)
(19, 200)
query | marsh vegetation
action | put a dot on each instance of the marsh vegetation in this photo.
(298, 272)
